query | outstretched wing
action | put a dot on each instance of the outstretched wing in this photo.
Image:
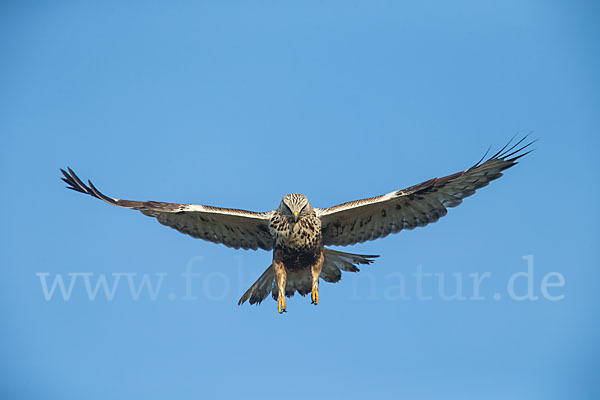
(231, 227)
(419, 205)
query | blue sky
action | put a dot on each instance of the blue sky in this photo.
(236, 104)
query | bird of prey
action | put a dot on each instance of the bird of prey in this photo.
(297, 232)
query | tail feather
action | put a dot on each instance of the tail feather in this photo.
(337, 261)
(333, 264)
(261, 288)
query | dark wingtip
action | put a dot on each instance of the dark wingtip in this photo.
(513, 150)
(497, 155)
(71, 180)
(482, 158)
(518, 153)
(74, 183)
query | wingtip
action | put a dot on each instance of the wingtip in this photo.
(508, 150)
(509, 153)
(65, 174)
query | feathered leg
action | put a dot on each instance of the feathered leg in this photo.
(280, 276)
(315, 272)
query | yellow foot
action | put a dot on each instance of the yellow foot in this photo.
(281, 305)
(314, 297)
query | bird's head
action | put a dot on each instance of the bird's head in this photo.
(295, 206)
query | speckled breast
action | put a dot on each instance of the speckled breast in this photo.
(299, 245)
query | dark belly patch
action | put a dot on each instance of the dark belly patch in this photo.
(298, 259)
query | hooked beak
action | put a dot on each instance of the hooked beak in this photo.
(295, 216)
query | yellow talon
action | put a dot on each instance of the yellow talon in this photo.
(281, 305)
(315, 297)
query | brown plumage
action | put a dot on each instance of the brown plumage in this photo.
(298, 232)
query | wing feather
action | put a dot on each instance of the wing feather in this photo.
(418, 205)
(231, 227)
